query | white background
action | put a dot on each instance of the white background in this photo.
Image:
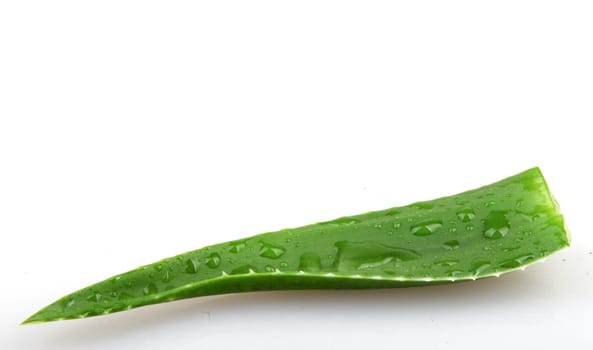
(135, 130)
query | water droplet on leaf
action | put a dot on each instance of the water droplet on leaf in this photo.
(478, 267)
(426, 228)
(517, 261)
(237, 246)
(346, 220)
(455, 273)
(192, 265)
(496, 225)
(446, 262)
(151, 288)
(213, 260)
(466, 215)
(95, 297)
(451, 245)
(166, 276)
(368, 255)
(310, 262)
(271, 251)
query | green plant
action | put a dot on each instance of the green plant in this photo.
(479, 233)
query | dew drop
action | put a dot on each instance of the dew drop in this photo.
(478, 267)
(166, 276)
(455, 273)
(192, 265)
(271, 251)
(469, 228)
(511, 248)
(310, 262)
(446, 262)
(496, 225)
(426, 228)
(378, 226)
(466, 215)
(237, 246)
(269, 268)
(496, 233)
(158, 267)
(517, 261)
(213, 260)
(451, 245)
(346, 220)
(95, 297)
(283, 264)
(368, 255)
(151, 288)
(397, 225)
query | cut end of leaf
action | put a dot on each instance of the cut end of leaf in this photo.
(556, 207)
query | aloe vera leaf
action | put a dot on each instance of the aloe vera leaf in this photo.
(475, 234)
